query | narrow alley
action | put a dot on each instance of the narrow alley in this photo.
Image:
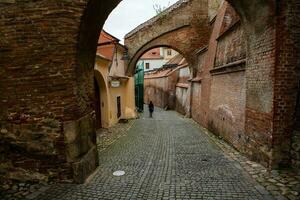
(223, 75)
(166, 157)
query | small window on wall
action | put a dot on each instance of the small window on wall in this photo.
(147, 65)
(169, 52)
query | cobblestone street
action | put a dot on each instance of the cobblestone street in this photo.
(166, 157)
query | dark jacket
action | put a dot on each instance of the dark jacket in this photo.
(151, 107)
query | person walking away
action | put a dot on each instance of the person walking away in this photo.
(151, 108)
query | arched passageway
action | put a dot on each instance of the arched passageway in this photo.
(97, 105)
(166, 79)
(103, 103)
(184, 19)
(266, 118)
(47, 79)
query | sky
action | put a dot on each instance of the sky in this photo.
(131, 13)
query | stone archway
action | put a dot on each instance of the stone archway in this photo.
(184, 19)
(103, 103)
(47, 73)
(166, 81)
(46, 80)
(269, 118)
(97, 104)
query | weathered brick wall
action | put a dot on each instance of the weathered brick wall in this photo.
(37, 80)
(227, 107)
(208, 65)
(172, 80)
(196, 101)
(229, 49)
(258, 19)
(47, 51)
(183, 91)
(287, 76)
(155, 90)
(169, 88)
(196, 86)
(201, 60)
(228, 86)
(295, 143)
(259, 107)
(182, 96)
(231, 46)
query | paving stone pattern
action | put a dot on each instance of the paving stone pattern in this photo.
(107, 136)
(282, 184)
(166, 157)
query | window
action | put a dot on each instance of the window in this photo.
(147, 65)
(169, 52)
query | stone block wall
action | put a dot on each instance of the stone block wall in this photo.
(47, 51)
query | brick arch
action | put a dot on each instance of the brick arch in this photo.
(173, 27)
(270, 28)
(91, 23)
(103, 90)
(47, 58)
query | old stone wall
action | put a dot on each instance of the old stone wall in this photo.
(169, 88)
(182, 96)
(47, 51)
(183, 91)
(295, 143)
(271, 33)
(227, 107)
(231, 46)
(228, 82)
(237, 90)
(196, 101)
(287, 76)
(155, 90)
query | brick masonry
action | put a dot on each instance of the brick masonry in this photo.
(47, 52)
(246, 78)
(185, 19)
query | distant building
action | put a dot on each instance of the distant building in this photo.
(168, 53)
(156, 58)
(169, 87)
(114, 90)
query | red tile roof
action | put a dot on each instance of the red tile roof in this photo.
(152, 54)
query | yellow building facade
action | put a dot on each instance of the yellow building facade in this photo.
(116, 99)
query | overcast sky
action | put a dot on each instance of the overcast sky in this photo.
(131, 13)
